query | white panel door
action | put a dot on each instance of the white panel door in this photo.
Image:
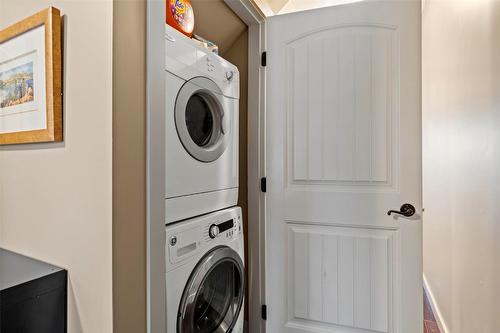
(344, 148)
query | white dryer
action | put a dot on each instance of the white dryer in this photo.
(205, 274)
(202, 109)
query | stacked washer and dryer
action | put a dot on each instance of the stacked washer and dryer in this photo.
(205, 271)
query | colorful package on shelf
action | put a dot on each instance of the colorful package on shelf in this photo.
(180, 15)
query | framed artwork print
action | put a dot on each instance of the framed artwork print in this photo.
(30, 80)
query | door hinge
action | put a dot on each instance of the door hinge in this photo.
(264, 312)
(263, 184)
(263, 59)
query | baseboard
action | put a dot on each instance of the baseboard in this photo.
(435, 308)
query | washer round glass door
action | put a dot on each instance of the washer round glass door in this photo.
(213, 297)
(201, 121)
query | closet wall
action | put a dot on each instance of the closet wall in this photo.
(238, 55)
(129, 166)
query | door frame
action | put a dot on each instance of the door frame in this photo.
(255, 19)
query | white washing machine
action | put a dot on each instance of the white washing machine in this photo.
(202, 129)
(206, 274)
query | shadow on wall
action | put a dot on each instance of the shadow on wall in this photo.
(74, 323)
(495, 17)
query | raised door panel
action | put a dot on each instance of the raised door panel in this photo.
(342, 107)
(341, 278)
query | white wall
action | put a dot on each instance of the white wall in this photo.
(461, 117)
(56, 199)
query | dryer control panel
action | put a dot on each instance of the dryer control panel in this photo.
(186, 59)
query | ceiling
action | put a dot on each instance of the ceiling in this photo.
(277, 7)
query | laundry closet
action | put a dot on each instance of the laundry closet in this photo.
(206, 157)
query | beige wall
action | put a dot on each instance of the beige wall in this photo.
(56, 199)
(129, 166)
(461, 117)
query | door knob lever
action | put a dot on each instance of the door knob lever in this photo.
(407, 210)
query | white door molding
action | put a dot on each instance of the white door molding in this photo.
(255, 19)
(156, 288)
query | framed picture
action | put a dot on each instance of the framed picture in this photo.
(30, 80)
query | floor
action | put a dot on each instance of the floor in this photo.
(430, 324)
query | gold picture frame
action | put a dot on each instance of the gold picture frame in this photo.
(31, 80)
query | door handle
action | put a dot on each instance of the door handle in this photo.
(407, 210)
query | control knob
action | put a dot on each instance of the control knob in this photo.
(213, 231)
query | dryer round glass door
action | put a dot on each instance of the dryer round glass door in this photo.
(213, 297)
(201, 119)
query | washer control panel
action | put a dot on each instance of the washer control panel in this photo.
(189, 238)
(227, 229)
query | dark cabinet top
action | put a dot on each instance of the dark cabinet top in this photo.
(16, 269)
